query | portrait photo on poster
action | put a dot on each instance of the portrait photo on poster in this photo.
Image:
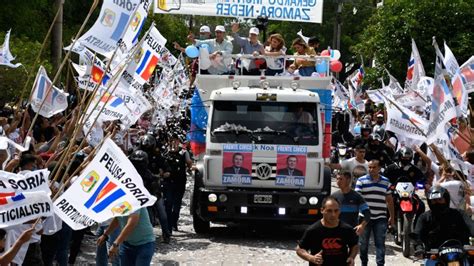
(237, 164)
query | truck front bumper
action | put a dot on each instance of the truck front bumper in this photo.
(241, 205)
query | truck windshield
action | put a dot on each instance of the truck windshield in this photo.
(265, 122)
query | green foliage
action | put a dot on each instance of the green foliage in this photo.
(12, 80)
(387, 38)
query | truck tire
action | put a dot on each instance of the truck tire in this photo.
(327, 180)
(200, 226)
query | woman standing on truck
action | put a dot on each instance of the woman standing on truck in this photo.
(304, 66)
(275, 48)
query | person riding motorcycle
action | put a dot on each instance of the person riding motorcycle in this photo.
(441, 223)
(405, 168)
(363, 139)
(376, 150)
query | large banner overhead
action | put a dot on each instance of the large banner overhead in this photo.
(290, 10)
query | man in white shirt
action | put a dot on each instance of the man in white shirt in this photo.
(351, 163)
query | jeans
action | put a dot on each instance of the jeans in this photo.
(140, 255)
(63, 250)
(102, 257)
(173, 197)
(162, 217)
(306, 71)
(379, 228)
(273, 72)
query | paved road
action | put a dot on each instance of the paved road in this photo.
(236, 245)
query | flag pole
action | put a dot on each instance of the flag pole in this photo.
(83, 118)
(43, 45)
(56, 77)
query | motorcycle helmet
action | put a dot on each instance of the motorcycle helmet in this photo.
(139, 157)
(438, 192)
(376, 136)
(405, 155)
(380, 131)
(147, 143)
(365, 128)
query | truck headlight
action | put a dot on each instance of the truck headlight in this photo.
(222, 197)
(313, 200)
(303, 200)
(212, 197)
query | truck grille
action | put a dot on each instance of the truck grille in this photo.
(263, 171)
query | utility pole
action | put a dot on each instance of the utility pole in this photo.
(57, 36)
(336, 40)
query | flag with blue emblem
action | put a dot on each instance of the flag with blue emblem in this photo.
(109, 186)
(119, 24)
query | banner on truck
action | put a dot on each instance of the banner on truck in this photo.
(301, 11)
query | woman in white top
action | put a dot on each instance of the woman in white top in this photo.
(276, 47)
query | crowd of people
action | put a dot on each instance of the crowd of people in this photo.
(256, 58)
(365, 201)
(161, 156)
(163, 159)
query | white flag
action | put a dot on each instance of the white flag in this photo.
(138, 105)
(405, 122)
(109, 186)
(442, 109)
(32, 181)
(141, 68)
(112, 28)
(22, 207)
(450, 61)
(55, 100)
(5, 56)
(415, 69)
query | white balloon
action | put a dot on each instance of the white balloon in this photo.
(335, 54)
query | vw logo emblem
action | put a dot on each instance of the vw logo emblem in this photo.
(264, 171)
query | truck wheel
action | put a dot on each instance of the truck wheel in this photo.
(327, 180)
(200, 226)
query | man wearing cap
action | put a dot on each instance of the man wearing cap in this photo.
(248, 46)
(380, 123)
(220, 52)
(204, 33)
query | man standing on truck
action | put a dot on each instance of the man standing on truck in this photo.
(329, 241)
(236, 168)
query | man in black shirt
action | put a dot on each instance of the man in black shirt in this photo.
(329, 241)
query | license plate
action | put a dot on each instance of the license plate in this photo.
(265, 199)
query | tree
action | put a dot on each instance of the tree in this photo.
(387, 38)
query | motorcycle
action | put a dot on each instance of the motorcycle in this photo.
(406, 206)
(450, 253)
(341, 152)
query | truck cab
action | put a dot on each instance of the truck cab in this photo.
(264, 151)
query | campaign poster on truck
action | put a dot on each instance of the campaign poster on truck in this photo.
(237, 164)
(291, 166)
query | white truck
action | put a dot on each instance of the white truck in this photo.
(264, 150)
